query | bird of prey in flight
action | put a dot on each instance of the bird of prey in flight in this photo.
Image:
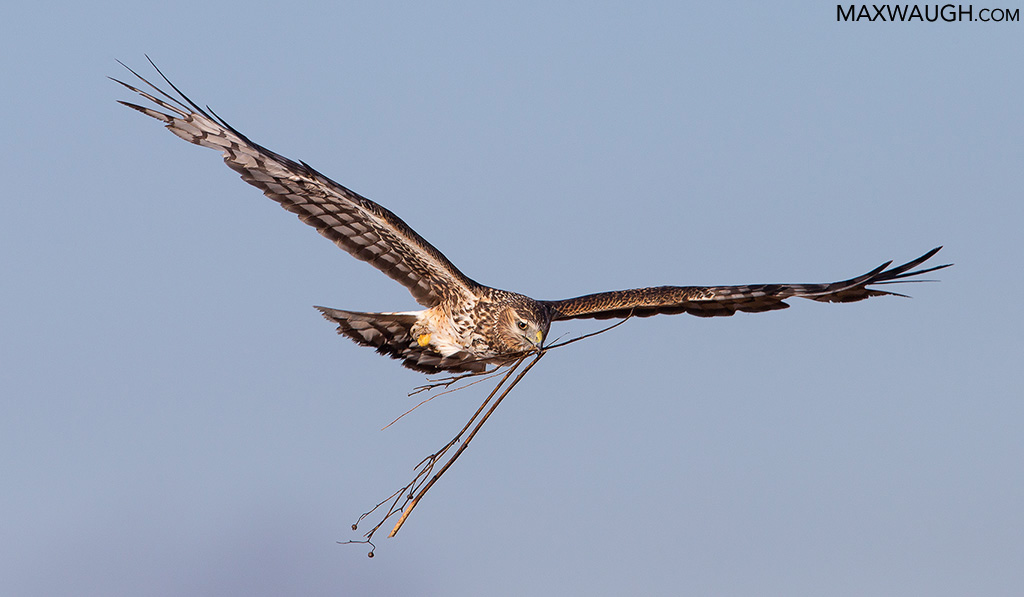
(464, 326)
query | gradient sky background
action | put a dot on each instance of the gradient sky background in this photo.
(178, 420)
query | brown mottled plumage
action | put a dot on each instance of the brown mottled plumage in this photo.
(465, 326)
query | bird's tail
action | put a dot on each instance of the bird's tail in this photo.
(391, 334)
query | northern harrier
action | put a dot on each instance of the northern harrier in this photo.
(465, 325)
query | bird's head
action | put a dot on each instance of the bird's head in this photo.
(523, 326)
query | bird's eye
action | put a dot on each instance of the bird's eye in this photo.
(521, 324)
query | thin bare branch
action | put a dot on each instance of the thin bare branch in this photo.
(445, 382)
(412, 504)
(591, 334)
(422, 480)
(405, 499)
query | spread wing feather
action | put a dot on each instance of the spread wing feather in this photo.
(713, 301)
(365, 229)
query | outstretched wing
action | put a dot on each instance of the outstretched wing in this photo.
(360, 226)
(712, 301)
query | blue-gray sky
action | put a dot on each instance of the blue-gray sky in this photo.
(179, 420)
